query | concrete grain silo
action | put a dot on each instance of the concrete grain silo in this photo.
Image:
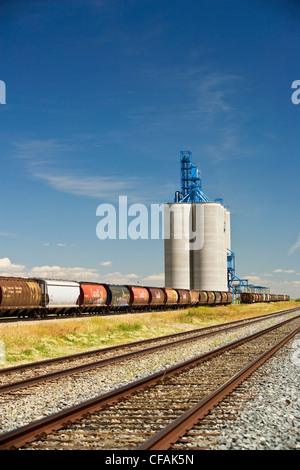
(197, 235)
(177, 256)
(209, 263)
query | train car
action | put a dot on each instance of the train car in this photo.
(21, 297)
(139, 297)
(210, 297)
(251, 297)
(93, 297)
(60, 297)
(247, 297)
(157, 297)
(224, 298)
(183, 298)
(218, 297)
(203, 298)
(194, 297)
(172, 297)
(118, 298)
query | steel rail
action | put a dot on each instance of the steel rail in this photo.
(18, 385)
(37, 429)
(168, 436)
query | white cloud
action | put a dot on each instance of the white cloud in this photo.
(154, 280)
(7, 268)
(155, 277)
(59, 272)
(288, 271)
(61, 245)
(295, 247)
(120, 278)
(43, 160)
(77, 273)
(253, 278)
(8, 234)
(91, 186)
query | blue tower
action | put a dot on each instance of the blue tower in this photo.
(191, 186)
(235, 285)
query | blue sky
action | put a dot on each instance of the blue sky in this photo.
(101, 97)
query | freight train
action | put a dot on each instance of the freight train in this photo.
(32, 297)
(26, 297)
(250, 298)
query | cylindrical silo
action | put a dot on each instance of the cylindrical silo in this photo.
(197, 236)
(177, 222)
(209, 263)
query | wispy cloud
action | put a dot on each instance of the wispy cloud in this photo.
(38, 153)
(206, 100)
(289, 271)
(102, 187)
(8, 234)
(50, 160)
(227, 145)
(214, 89)
(120, 278)
(61, 245)
(295, 247)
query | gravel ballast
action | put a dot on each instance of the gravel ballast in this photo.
(269, 419)
(278, 387)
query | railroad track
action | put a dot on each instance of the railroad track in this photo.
(140, 415)
(22, 376)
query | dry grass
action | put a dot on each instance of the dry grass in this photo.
(26, 342)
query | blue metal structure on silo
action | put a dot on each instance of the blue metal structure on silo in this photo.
(191, 186)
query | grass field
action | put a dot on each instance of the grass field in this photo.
(33, 341)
